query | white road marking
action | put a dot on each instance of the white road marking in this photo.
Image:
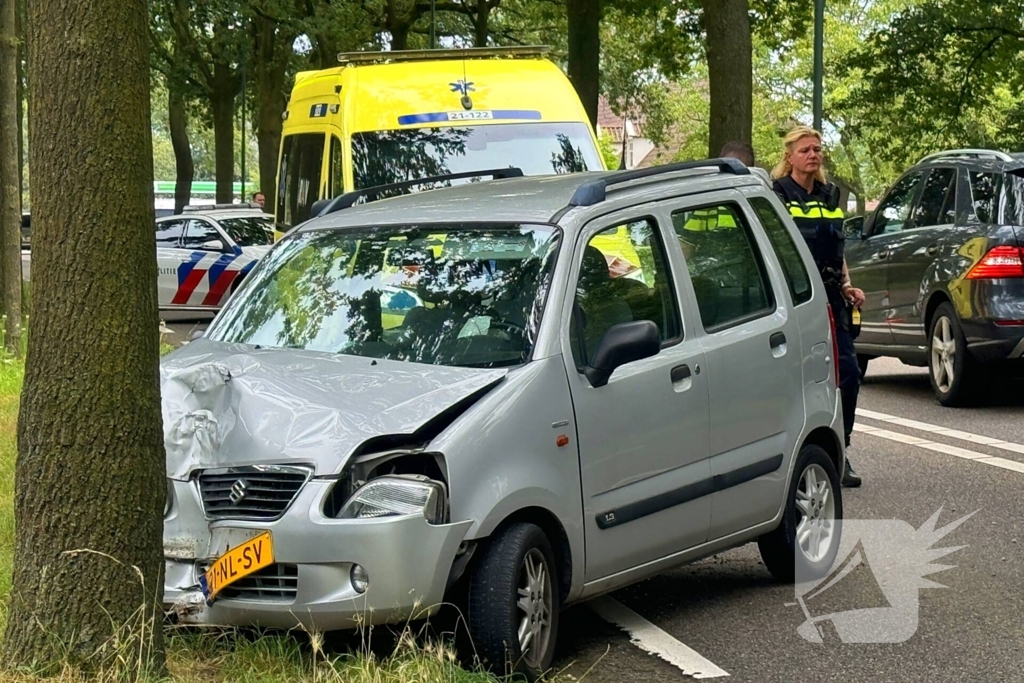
(652, 639)
(941, 448)
(943, 431)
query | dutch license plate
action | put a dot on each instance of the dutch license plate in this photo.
(475, 115)
(237, 563)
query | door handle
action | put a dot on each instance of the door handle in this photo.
(932, 250)
(777, 340)
(882, 255)
(680, 372)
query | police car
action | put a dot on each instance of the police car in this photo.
(206, 251)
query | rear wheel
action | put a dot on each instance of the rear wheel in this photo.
(514, 602)
(806, 542)
(952, 371)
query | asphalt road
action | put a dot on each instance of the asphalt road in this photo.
(728, 609)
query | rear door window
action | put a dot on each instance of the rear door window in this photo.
(199, 233)
(938, 199)
(793, 267)
(725, 265)
(302, 157)
(985, 195)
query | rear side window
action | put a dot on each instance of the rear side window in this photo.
(938, 199)
(985, 195)
(1013, 189)
(168, 233)
(793, 268)
(725, 265)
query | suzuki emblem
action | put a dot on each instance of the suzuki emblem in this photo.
(239, 490)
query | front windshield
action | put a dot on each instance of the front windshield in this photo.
(390, 156)
(250, 231)
(468, 295)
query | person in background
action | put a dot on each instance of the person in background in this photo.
(259, 199)
(799, 181)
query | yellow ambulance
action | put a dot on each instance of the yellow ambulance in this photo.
(385, 117)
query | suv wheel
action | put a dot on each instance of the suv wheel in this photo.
(514, 602)
(811, 526)
(951, 369)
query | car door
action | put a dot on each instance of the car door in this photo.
(868, 258)
(643, 437)
(171, 260)
(912, 255)
(752, 349)
(209, 278)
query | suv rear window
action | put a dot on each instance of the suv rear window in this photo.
(985, 195)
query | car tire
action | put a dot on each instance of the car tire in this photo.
(514, 587)
(814, 506)
(953, 374)
(862, 363)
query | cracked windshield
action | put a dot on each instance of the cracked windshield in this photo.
(467, 296)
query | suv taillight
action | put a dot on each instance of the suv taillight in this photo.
(999, 262)
(835, 342)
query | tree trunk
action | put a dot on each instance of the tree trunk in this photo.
(10, 180)
(271, 67)
(90, 474)
(585, 52)
(481, 23)
(222, 104)
(19, 29)
(399, 16)
(730, 72)
(184, 168)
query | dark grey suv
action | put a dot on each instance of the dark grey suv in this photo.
(941, 264)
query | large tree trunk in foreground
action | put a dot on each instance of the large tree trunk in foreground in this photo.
(184, 168)
(585, 52)
(90, 476)
(730, 71)
(10, 179)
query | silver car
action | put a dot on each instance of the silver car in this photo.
(531, 390)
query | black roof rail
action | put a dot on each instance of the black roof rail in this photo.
(594, 191)
(349, 199)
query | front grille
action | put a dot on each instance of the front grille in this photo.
(257, 492)
(276, 582)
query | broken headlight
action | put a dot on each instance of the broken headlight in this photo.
(397, 496)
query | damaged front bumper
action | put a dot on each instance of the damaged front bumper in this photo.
(406, 560)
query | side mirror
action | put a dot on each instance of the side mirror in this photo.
(196, 334)
(213, 245)
(622, 344)
(318, 206)
(853, 227)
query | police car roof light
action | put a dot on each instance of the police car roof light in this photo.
(349, 199)
(221, 207)
(595, 191)
(428, 55)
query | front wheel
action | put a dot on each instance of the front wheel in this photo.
(514, 602)
(951, 369)
(806, 542)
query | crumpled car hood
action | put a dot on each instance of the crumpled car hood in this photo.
(226, 405)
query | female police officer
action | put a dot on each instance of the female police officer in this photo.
(814, 205)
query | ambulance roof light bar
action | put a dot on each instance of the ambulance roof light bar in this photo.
(429, 55)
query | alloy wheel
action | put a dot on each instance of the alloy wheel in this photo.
(943, 355)
(815, 503)
(535, 604)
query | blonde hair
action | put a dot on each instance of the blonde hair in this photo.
(784, 168)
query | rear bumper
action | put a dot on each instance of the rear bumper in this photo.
(989, 342)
